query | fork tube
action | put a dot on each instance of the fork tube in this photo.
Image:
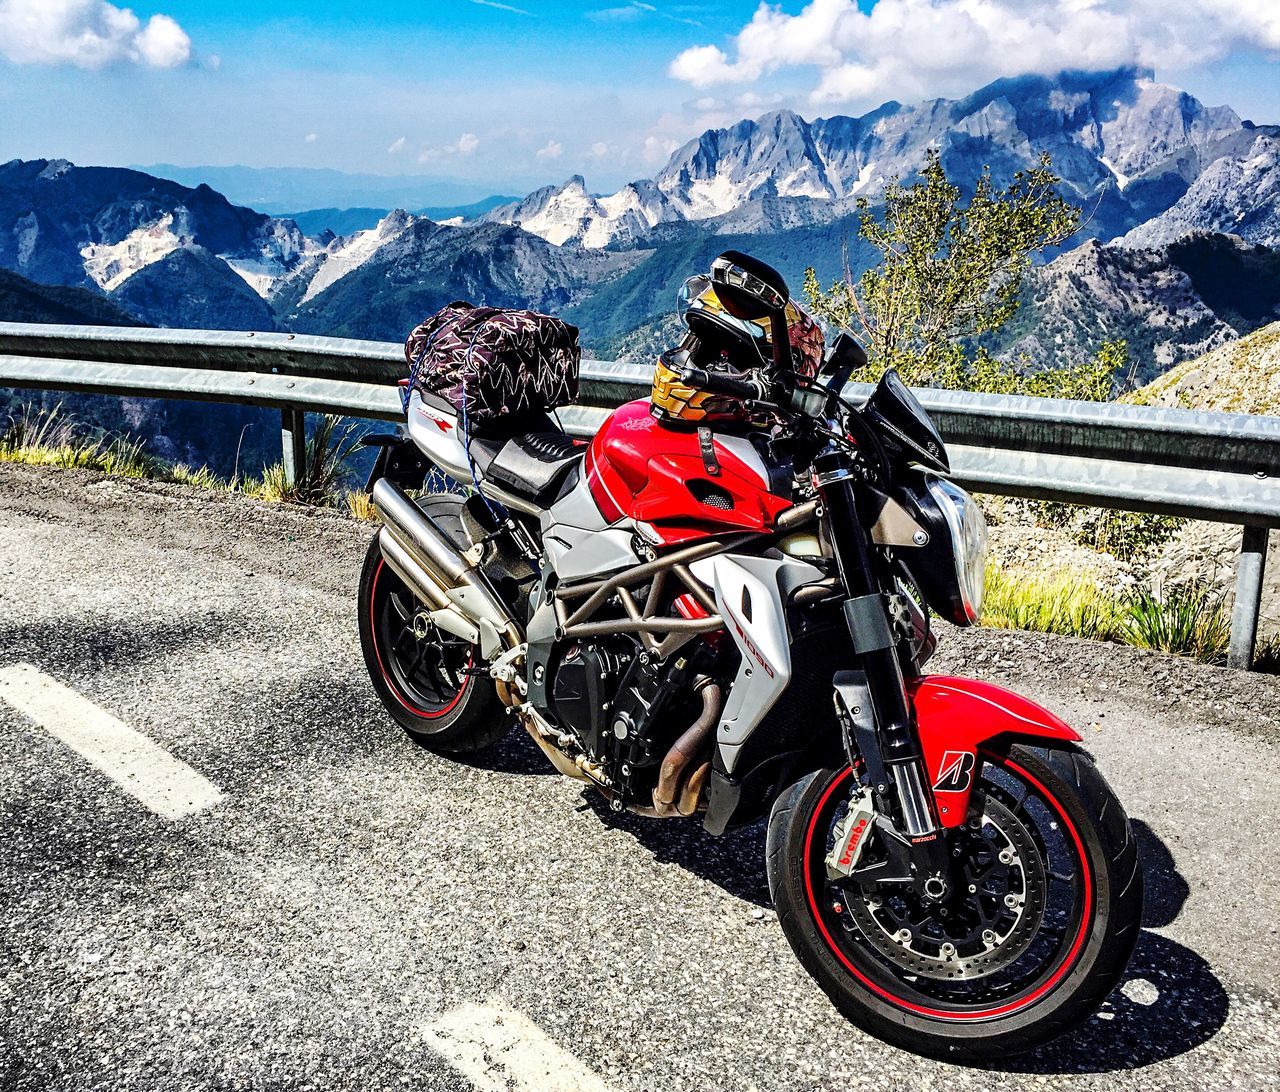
(867, 615)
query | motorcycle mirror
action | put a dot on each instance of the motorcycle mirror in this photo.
(846, 356)
(747, 288)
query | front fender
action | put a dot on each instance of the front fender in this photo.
(955, 717)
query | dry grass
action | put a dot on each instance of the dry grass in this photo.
(1059, 603)
(1189, 620)
(49, 437)
(360, 506)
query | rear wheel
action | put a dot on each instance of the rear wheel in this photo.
(1043, 908)
(422, 674)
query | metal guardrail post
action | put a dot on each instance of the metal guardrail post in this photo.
(1244, 617)
(293, 434)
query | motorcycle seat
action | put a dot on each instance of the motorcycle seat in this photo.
(533, 464)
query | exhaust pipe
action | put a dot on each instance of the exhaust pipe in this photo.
(419, 551)
(674, 793)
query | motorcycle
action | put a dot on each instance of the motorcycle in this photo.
(732, 623)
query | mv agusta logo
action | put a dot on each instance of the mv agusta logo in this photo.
(955, 772)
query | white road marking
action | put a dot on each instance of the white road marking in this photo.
(142, 768)
(500, 1050)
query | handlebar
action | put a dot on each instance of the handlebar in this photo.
(748, 387)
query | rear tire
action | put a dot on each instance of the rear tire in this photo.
(949, 1020)
(423, 680)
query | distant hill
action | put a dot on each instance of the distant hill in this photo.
(1131, 152)
(99, 227)
(1242, 377)
(22, 300)
(383, 287)
(315, 222)
(1170, 303)
(277, 189)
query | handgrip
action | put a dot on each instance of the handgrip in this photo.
(719, 383)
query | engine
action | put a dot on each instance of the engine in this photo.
(645, 727)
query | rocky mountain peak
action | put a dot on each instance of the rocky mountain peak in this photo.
(1116, 133)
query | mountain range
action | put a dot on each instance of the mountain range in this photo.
(1180, 204)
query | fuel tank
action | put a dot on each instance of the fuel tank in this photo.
(682, 483)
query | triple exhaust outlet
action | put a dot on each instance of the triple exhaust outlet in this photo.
(458, 597)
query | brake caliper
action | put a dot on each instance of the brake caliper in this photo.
(851, 835)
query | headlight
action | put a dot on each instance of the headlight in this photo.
(951, 567)
(968, 541)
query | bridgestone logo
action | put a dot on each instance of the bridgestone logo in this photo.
(955, 772)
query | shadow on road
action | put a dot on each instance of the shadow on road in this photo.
(1170, 1001)
(72, 645)
(734, 862)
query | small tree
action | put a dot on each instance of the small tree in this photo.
(949, 270)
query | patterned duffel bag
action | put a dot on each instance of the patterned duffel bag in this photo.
(490, 362)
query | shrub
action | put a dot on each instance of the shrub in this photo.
(1188, 620)
(324, 467)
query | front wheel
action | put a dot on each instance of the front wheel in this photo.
(1043, 908)
(424, 676)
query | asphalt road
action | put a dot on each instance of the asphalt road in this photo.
(352, 905)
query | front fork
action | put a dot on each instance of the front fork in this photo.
(884, 735)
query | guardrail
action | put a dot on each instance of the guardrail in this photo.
(1211, 466)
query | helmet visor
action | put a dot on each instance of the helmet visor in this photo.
(690, 291)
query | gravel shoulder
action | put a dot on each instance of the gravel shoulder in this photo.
(351, 887)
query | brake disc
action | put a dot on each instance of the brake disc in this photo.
(990, 918)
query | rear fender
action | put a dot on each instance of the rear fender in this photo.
(399, 460)
(956, 717)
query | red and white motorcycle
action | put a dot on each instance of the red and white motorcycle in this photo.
(725, 614)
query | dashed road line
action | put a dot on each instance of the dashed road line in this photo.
(501, 1050)
(141, 767)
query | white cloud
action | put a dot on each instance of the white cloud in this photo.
(658, 149)
(912, 48)
(599, 149)
(88, 34)
(397, 146)
(553, 149)
(501, 7)
(311, 138)
(464, 145)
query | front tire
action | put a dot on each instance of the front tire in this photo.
(1040, 816)
(421, 674)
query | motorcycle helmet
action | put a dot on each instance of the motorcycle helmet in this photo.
(674, 399)
(748, 343)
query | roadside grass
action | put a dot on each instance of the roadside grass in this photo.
(51, 438)
(37, 436)
(359, 506)
(1187, 620)
(320, 478)
(1266, 656)
(1058, 603)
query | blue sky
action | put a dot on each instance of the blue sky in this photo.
(517, 94)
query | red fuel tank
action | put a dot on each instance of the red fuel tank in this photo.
(641, 469)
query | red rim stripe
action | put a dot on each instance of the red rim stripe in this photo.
(942, 1014)
(386, 675)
